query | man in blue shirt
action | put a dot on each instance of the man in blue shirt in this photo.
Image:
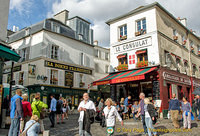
(52, 110)
(174, 108)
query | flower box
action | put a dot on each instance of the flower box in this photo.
(124, 37)
(137, 33)
(175, 37)
(184, 42)
(142, 64)
(122, 67)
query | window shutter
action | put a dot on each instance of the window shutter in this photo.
(25, 78)
(87, 61)
(60, 54)
(48, 51)
(61, 78)
(48, 74)
(16, 78)
(27, 53)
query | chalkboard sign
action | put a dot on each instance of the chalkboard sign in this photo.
(69, 76)
(156, 90)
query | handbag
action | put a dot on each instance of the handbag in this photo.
(25, 131)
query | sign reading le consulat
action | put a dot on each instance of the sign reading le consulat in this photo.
(132, 45)
(67, 67)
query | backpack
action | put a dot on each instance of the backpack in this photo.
(59, 105)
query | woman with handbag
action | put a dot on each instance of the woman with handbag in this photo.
(26, 110)
(150, 116)
(110, 113)
(186, 109)
(38, 108)
(32, 127)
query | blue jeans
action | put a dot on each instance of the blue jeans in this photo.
(144, 124)
(14, 127)
(149, 125)
(81, 131)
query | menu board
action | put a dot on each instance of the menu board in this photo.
(156, 90)
(69, 78)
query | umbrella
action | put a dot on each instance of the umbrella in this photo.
(196, 91)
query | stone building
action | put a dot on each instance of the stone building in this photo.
(152, 52)
(56, 58)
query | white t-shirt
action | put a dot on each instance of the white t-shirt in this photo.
(110, 116)
(88, 105)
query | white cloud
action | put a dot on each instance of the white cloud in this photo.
(21, 6)
(99, 11)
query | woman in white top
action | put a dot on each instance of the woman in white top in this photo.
(110, 114)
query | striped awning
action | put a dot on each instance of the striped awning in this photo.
(125, 76)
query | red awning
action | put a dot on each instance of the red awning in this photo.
(124, 76)
(141, 51)
(121, 56)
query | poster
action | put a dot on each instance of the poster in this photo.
(44, 99)
(157, 103)
(69, 78)
(31, 70)
(76, 101)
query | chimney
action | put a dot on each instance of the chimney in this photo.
(183, 21)
(95, 43)
(62, 16)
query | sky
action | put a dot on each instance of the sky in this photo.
(24, 13)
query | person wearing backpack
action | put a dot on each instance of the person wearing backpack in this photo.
(38, 109)
(59, 110)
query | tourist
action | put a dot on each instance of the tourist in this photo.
(110, 114)
(126, 101)
(141, 111)
(198, 106)
(84, 107)
(186, 109)
(26, 110)
(195, 106)
(38, 108)
(150, 115)
(100, 106)
(174, 108)
(134, 109)
(52, 110)
(16, 113)
(32, 127)
(65, 108)
(59, 110)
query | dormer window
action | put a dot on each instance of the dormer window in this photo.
(175, 35)
(123, 32)
(141, 27)
(56, 28)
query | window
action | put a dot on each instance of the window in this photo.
(96, 67)
(122, 60)
(123, 32)
(54, 77)
(56, 28)
(178, 62)
(183, 40)
(186, 67)
(27, 31)
(106, 56)
(194, 69)
(54, 52)
(191, 46)
(106, 69)
(82, 59)
(141, 26)
(175, 37)
(98, 53)
(198, 52)
(24, 53)
(168, 59)
(21, 78)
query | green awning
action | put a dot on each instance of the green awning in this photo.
(8, 54)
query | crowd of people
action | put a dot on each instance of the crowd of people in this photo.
(27, 118)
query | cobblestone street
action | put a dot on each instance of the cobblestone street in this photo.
(130, 128)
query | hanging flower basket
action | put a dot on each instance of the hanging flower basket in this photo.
(122, 67)
(142, 64)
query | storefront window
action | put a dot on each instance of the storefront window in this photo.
(54, 77)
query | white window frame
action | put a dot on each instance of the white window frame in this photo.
(54, 52)
(123, 30)
(52, 76)
(82, 59)
(56, 28)
(141, 21)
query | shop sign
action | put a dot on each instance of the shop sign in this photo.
(178, 79)
(196, 84)
(127, 79)
(67, 67)
(132, 45)
(15, 69)
(69, 78)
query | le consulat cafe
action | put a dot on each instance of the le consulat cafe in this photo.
(137, 69)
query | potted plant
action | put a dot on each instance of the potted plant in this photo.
(142, 64)
(21, 81)
(82, 84)
(124, 37)
(122, 67)
(184, 42)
